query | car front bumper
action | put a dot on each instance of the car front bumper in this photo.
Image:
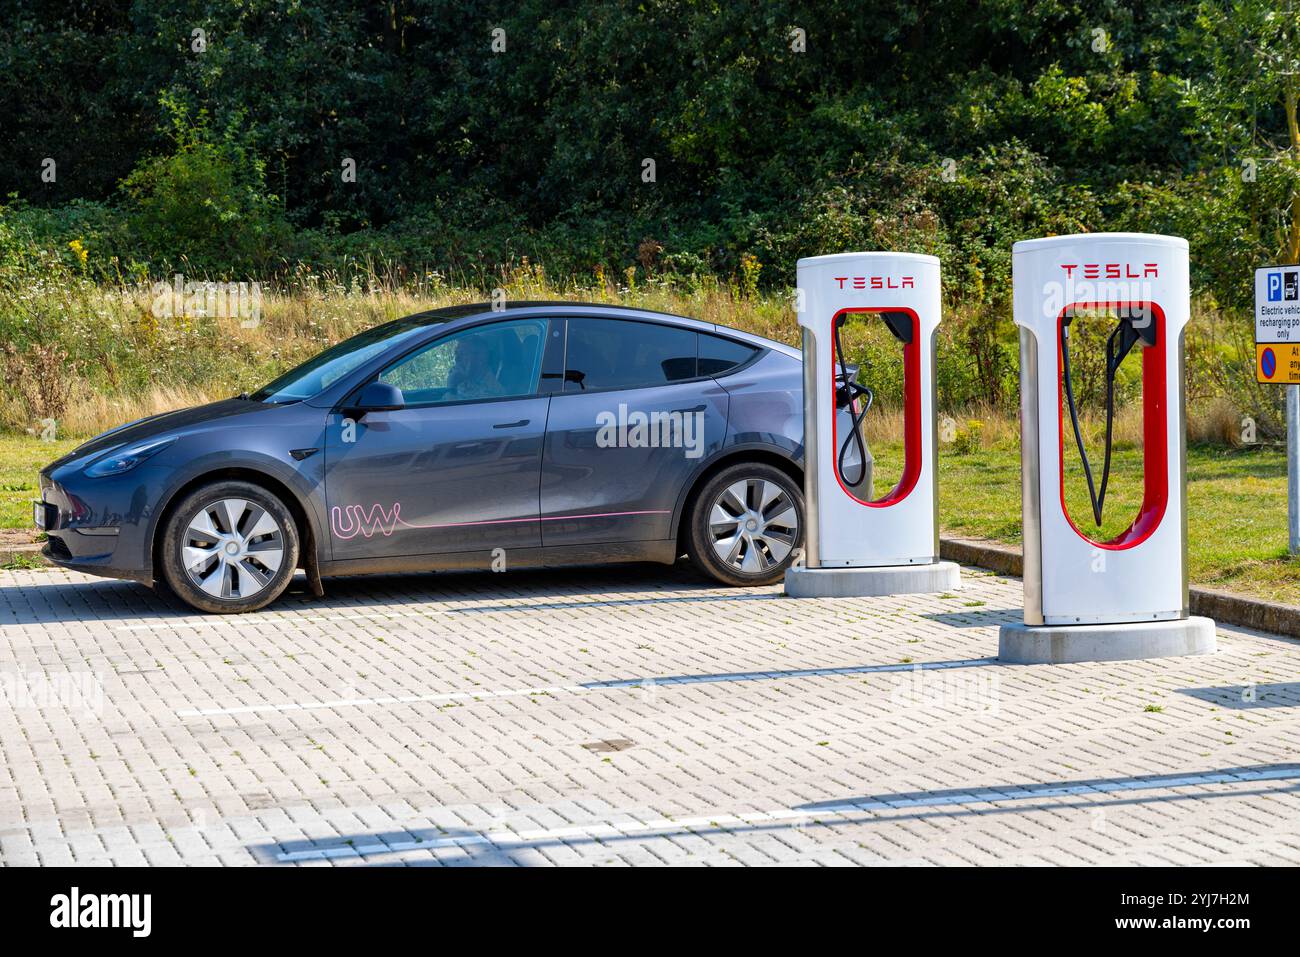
(99, 526)
(57, 551)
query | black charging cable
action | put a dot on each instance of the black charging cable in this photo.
(1119, 344)
(846, 393)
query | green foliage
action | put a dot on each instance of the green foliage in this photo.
(969, 438)
(39, 241)
(943, 128)
(204, 205)
(463, 154)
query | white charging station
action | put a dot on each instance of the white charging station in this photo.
(1089, 597)
(858, 543)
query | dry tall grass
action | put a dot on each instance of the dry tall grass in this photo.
(983, 427)
(129, 362)
(90, 413)
(125, 362)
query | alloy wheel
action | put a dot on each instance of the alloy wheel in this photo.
(232, 548)
(753, 525)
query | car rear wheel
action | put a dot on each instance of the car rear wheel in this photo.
(230, 547)
(746, 524)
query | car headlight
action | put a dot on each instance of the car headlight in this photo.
(123, 460)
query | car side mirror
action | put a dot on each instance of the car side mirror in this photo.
(377, 397)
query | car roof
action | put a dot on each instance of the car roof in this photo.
(476, 310)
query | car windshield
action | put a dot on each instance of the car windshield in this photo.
(319, 373)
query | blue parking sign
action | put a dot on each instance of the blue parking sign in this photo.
(1277, 325)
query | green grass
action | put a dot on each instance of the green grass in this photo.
(1236, 504)
(1236, 510)
(23, 560)
(21, 457)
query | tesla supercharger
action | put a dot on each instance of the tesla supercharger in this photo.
(1090, 596)
(859, 542)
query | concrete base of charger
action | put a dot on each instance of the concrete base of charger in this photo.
(864, 582)
(1061, 644)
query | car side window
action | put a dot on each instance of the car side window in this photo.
(497, 361)
(719, 355)
(626, 354)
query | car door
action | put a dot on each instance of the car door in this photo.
(457, 467)
(631, 424)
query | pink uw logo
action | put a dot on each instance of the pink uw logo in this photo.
(349, 521)
(356, 520)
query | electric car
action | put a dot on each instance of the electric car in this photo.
(461, 438)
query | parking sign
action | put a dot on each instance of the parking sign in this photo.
(1277, 324)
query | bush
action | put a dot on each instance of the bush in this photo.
(969, 437)
(41, 376)
(204, 207)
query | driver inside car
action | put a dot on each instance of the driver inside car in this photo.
(472, 376)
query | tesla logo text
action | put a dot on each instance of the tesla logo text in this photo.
(1113, 270)
(877, 282)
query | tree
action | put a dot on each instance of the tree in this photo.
(1246, 99)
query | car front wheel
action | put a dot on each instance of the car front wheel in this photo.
(746, 524)
(229, 547)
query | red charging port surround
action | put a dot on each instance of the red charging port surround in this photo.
(1155, 427)
(911, 411)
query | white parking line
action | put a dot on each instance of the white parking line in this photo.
(504, 836)
(507, 837)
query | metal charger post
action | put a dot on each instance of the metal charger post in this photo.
(1088, 597)
(858, 543)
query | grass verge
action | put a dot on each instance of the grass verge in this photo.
(1236, 510)
(1236, 504)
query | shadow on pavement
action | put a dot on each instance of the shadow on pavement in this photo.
(794, 673)
(497, 846)
(976, 617)
(57, 600)
(1281, 694)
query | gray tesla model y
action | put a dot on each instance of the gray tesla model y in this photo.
(537, 434)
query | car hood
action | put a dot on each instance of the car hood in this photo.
(157, 426)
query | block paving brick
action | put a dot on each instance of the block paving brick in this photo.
(450, 720)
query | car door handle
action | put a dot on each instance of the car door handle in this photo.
(511, 425)
(697, 408)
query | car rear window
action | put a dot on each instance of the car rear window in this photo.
(718, 355)
(626, 354)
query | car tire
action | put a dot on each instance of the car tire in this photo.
(746, 525)
(229, 547)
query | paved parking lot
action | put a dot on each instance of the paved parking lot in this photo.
(620, 716)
